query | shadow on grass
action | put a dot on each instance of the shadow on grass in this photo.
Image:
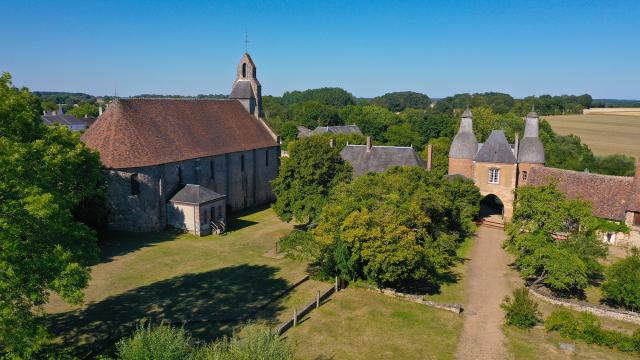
(120, 243)
(208, 304)
(428, 287)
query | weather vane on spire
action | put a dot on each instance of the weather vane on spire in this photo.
(246, 41)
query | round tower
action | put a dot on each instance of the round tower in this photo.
(530, 149)
(463, 147)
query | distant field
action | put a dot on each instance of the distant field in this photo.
(612, 111)
(604, 133)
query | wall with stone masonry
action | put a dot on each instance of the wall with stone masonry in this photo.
(504, 189)
(147, 211)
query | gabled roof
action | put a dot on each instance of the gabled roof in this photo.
(341, 129)
(379, 158)
(607, 194)
(65, 120)
(196, 195)
(144, 132)
(496, 149)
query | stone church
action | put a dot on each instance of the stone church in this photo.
(186, 162)
(498, 168)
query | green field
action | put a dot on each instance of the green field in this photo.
(604, 133)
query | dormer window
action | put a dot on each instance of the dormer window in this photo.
(494, 176)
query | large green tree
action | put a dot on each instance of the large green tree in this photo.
(395, 228)
(306, 177)
(398, 101)
(45, 174)
(542, 215)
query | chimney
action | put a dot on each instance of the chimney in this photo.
(515, 146)
(429, 154)
(369, 144)
(99, 110)
(332, 143)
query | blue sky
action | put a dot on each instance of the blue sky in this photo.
(367, 47)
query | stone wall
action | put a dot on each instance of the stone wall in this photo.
(245, 177)
(504, 189)
(598, 310)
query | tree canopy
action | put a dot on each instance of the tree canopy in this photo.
(398, 101)
(393, 228)
(46, 174)
(306, 177)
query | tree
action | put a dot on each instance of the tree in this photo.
(335, 97)
(306, 177)
(398, 101)
(84, 109)
(521, 311)
(313, 114)
(45, 174)
(394, 228)
(440, 155)
(566, 266)
(403, 135)
(622, 282)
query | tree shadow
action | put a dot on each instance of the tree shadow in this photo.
(207, 304)
(118, 243)
(432, 286)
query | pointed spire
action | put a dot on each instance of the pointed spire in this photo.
(467, 112)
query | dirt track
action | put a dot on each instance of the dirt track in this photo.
(487, 285)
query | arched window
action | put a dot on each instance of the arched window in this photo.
(244, 70)
(135, 185)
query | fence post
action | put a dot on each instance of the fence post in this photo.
(318, 299)
(295, 317)
(337, 286)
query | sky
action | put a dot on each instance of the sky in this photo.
(369, 48)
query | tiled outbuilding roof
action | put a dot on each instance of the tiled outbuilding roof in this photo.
(379, 158)
(64, 120)
(144, 132)
(196, 195)
(607, 194)
(340, 129)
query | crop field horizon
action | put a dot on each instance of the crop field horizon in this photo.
(605, 134)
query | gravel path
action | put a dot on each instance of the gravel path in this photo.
(487, 285)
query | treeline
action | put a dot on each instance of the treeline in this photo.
(392, 120)
(615, 103)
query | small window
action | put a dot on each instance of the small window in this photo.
(524, 175)
(636, 219)
(266, 157)
(242, 163)
(254, 72)
(179, 173)
(244, 70)
(212, 170)
(494, 176)
(135, 184)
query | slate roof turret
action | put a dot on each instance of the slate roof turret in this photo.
(464, 144)
(531, 149)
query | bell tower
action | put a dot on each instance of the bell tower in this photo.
(246, 88)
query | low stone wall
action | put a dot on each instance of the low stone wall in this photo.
(455, 308)
(598, 310)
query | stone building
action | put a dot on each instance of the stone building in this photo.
(498, 168)
(369, 158)
(169, 159)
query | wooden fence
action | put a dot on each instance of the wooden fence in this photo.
(320, 298)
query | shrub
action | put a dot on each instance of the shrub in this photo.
(254, 342)
(587, 327)
(622, 283)
(160, 343)
(299, 245)
(521, 311)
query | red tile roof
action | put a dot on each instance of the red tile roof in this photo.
(607, 194)
(633, 201)
(144, 132)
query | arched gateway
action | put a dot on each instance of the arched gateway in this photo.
(491, 206)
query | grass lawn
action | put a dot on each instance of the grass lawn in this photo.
(221, 280)
(454, 292)
(359, 324)
(604, 133)
(538, 344)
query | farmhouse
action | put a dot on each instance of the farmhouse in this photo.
(186, 162)
(498, 168)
